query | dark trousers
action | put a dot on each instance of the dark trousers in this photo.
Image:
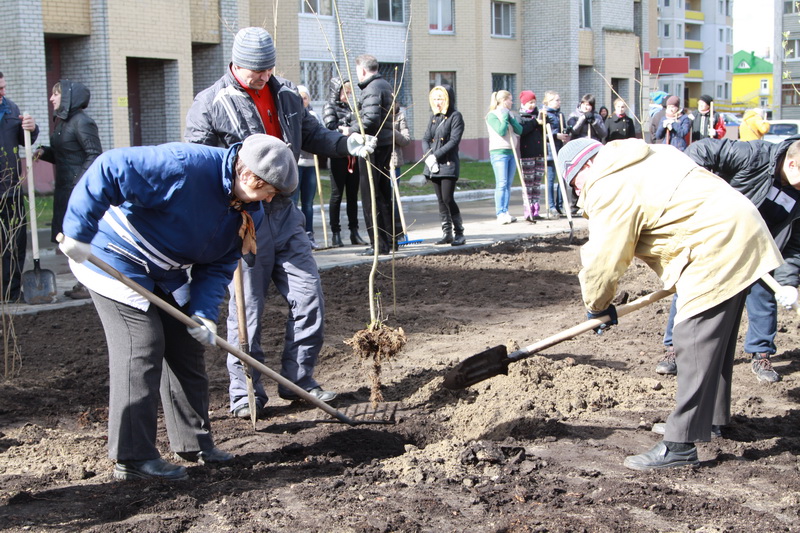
(150, 356)
(13, 240)
(344, 179)
(389, 228)
(705, 345)
(448, 209)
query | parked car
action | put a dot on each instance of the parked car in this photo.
(782, 129)
(731, 120)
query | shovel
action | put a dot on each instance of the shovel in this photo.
(495, 361)
(38, 286)
(387, 417)
(244, 345)
(562, 187)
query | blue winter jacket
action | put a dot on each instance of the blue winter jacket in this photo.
(160, 213)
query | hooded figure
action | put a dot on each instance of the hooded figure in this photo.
(74, 144)
(440, 143)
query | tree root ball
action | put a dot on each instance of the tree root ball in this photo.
(375, 345)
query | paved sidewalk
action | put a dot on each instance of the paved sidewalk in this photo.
(421, 212)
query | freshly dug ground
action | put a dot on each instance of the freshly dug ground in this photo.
(538, 450)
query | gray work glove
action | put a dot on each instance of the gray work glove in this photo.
(358, 146)
(205, 333)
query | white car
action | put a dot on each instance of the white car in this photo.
(782, 129)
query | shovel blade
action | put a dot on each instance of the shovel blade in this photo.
(39, 286)
(485, 365)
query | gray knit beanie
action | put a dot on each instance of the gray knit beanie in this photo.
(574, 155)
(271, 160)
(253, 49)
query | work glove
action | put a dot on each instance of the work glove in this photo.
(205, 333)
(611, 312)
(589, 116)
(75, 250)
(358, 146)
(432, 164)
(786, 296)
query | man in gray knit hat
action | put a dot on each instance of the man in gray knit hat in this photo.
(249, 100)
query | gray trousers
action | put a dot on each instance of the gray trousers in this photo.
(152, 355)
(705, 345)
(284, 258)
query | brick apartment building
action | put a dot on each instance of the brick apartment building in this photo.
(144, 60)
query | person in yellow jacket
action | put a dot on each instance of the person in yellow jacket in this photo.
(704, 240)
(753, 126)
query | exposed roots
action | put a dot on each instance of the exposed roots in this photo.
(375, 345)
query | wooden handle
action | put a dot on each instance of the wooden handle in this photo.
(561, 185)
(31, 194)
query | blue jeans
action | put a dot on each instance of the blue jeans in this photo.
(762, 317)
(503, 166)
(306, 191)
(553, 192)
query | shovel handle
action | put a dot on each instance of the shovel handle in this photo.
(219, 341)
(31, 194)
(583, 327)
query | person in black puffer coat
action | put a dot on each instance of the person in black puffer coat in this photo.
(440, 142)
(620, 125)
(337, 115)
(74, 144)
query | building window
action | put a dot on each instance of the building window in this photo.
(386, 10)
(789, 95)
(318, 7)
(719, 63)
(665, 88)
(721, 35)
(315, 75)
(442, 78)
(790, 6)
(727, 63)
(721, 7)
(440, 16)
(502, 19)
(727, 91)
(719, 92)
(586, 14)
(763, 102)
(504, 82)
(679, 31)
(666, 3)
(666, 30)
(393, 73)
(792, 49)
(764, 84)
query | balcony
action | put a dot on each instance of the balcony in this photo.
(693, 46)
(694, 16)
(694, 74)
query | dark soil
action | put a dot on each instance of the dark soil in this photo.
(538, 450)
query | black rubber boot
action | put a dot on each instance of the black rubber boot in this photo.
(355, 238)
(447, 234)
(336, 240)
(458, 226)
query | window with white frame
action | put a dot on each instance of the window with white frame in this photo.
(679, 31)
(763, 102)
(764, 84)
(385, 10)
(507, 82)
(721, 35)
(440, 16)
(719, 63)
(502, 19)
(317, 7)
(729, 35)
(727, 91)
(665, 88)
(721, 7)
(316, 75)
(666, 30)
(442, 78)
(666, 3)
(790, 6)
(792, 49)
(586, 14)
(719, 91)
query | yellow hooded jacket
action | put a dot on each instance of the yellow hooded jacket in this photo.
(701, 237)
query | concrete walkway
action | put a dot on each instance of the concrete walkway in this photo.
(422, 217)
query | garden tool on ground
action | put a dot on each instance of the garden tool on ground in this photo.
(396, 188)
(495, 361)
(561, 185)
(244, 345)
(38, 285)
(380, 416)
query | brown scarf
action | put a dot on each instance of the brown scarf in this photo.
(247, 231)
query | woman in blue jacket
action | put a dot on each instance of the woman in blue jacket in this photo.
(675, 126)
(175, 218)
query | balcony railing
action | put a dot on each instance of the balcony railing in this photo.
(694, 16)
(690, 45)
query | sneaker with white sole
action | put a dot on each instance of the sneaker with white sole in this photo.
(667, 365)
(762, 368)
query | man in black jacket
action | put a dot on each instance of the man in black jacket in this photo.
(769, 175)
(377, 99)
(248, 99)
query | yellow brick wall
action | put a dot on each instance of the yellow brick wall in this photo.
(145, 29)
(66, 17)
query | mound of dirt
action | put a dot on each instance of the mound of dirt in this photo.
(539, 449)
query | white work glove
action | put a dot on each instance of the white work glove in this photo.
(360, 147)
(432, 164)
(205, 333)
(786, 296)
(75, 250)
